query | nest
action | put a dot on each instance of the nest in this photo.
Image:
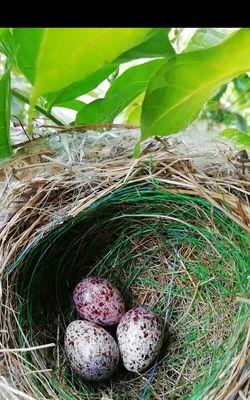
(168, 237)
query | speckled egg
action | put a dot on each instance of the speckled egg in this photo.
(97, 300)
(91, 351)
(140, 336)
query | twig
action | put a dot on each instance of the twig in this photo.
(25, 349)
(20, 122)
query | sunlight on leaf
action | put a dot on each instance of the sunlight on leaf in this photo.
(68, 55)
(179, 89)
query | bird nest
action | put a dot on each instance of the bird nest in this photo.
(168, 237)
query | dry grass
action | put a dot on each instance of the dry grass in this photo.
(200, 303)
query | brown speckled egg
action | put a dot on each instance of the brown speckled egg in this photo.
(97, 300)
(140, 336)
(91, 351)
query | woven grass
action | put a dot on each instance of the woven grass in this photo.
(169, 237)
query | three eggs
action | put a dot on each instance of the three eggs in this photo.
(91, 350)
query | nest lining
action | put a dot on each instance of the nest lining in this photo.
(133, 237)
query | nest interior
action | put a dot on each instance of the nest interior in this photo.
(173, 252)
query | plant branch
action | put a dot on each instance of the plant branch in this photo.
(85, 127)
(23, 98)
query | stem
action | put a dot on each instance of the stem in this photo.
(96, 126)
(47, 114)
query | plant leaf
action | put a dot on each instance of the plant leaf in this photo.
(28, 41)
(76, 105)
(241, 91)
(68, 55)
(178, 90)
(237, 136)
(204, 38)
(121, 93)
(5, 147)
(133, 111)
(8, 45)
(137, 150)
(2, 32)
(157, 45)
(79, 88)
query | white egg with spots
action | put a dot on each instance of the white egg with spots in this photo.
(97, 300)
(92, 352)
(140, 336)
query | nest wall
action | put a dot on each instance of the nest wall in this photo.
(143, 225)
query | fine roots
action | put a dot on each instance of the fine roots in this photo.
(173, 252)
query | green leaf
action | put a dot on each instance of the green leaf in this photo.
(68, 55)
(76, 105)
(81, 87)
(8, 45)
(121, 93)
(242, 90)
(237, 136)
(208, 37)
(2, 32)
(137, 150)
(217, 96)
(242, 83)
(157, 45)
(133, 111)
(5, 147)
(240, 122)
(28, 42)
(178, 90)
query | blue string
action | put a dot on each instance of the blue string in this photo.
(153, 371)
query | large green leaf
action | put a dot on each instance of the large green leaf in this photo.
(208, 37)
(5, 147)
(179, 88)
(79, 88)
(68, 55)
(121, 93)
(28, 42)
(156, 45)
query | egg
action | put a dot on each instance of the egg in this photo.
(91, 351)
(97, 300)
(140, 336)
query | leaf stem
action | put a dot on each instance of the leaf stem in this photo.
(25, 99)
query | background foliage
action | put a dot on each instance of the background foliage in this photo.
(160, 79)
